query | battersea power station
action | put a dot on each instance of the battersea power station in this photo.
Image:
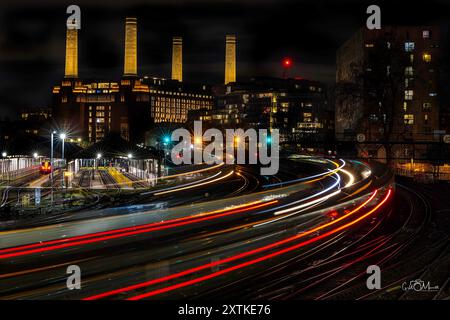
(131, 105)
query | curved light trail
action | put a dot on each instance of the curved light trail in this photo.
(245, 254)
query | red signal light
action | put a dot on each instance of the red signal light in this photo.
(287, 62)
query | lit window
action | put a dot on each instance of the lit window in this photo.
(425, 118)
(409, 71)
(408, 119)
(409, 94)
(426, 34)
(409, 46)
(369, 45)
(405, 106)
(426, 57)
(432, 94)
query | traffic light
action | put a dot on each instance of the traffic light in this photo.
(166, 139)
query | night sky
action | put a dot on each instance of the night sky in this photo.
(32, 39)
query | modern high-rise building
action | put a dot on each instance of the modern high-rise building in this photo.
(387, 95)
(177, 58)
(296, 107)
(230, 59)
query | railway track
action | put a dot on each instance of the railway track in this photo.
(136, 182)
(107, 180)
(85, 179)
(325, 274)
(16, 185)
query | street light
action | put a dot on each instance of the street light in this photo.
(62, 136)
(129, 156)
(35, 155)
(99, 155)
(4, 154)
(51, 165)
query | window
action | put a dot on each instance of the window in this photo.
(408, 119)
(409, 94)
(409, 83)
(426, 57)
(409, 46)
(425, 118)
(405, 106)
(426, 34)
(426, 106)
(409, 71)
(369, 45)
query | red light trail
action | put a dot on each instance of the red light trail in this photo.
(254, 261)
(242, 255)
(123, 232)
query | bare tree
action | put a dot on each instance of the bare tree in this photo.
(382, 79)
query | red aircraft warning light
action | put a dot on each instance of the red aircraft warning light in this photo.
(287, 63)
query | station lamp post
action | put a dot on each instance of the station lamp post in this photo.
(129, 156)
(4, 155)
(63, 137)
(52, 134)
(99, 156)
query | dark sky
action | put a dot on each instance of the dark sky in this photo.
(32, 38)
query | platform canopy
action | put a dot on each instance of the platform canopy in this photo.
(113, 146)
(22, 144)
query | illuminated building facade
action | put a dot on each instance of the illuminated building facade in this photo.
(172, 100)
(38, 114)
(404, 62)
(297, 107)
(93, 109)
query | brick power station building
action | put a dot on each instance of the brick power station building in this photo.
(129, 106)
